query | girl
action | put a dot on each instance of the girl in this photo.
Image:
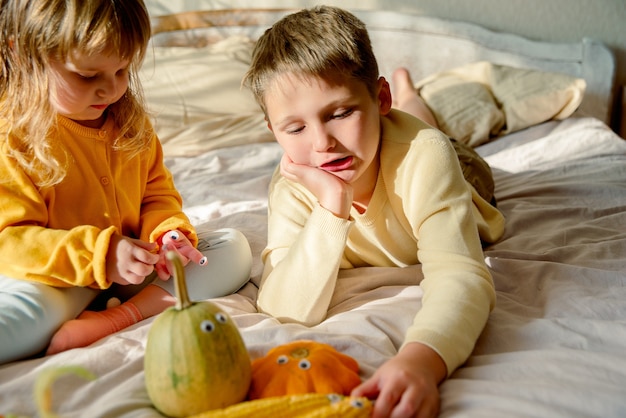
(86, 201)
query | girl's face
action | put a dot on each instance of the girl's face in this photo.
(333, 125)
(84, 86)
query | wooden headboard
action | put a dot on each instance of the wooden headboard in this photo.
(425, 45)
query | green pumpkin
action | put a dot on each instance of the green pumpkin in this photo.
(195, 357)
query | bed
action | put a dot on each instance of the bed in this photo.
(555, 344)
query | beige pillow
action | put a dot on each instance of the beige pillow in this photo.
(529, 97)
(196, 99)
(465, 110)
(478, 102)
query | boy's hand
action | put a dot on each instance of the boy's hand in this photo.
(406, 386)
(130, 260)
(178, 242)
(332, 193)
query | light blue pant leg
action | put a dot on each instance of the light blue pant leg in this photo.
(30, 313)
(229, 262)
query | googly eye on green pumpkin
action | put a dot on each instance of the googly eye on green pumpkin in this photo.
(207, 326)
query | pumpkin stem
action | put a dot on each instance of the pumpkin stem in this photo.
(180, 286)
(300, 352)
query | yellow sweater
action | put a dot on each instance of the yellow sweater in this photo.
(422, 211)
(60, 235)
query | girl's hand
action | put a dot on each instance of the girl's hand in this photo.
(130, 260)
(331, 192)
(178, 242)
(406, 386)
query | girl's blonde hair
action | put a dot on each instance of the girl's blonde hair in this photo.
(33, 33)
(323, 42)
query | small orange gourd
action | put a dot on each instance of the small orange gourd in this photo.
(303, 366)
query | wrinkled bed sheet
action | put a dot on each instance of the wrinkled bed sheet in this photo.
(554, 345)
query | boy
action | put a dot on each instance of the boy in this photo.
(361, 184)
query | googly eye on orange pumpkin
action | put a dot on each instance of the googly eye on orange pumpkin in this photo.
(304, 364)
(282, 359)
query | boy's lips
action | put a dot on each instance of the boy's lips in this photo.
(337, 165)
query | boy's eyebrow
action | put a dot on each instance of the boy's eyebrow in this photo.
(284, 121)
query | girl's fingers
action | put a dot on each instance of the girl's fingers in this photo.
(145, 256)
(193, 254)
(174, 240)
(161, 267)
(173, 248)
(164, 267)
(172, 236)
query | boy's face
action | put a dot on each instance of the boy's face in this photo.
(332, 125)
(84, 86)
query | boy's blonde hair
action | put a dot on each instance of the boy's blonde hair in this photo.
(33, 33)
(322, 42)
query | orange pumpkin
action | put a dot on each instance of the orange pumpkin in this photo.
(303, 367)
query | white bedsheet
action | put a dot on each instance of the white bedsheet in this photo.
(554, 346)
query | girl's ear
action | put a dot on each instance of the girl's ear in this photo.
(384, 96)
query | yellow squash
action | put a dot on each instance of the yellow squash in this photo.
(195, 357)
(309, 405)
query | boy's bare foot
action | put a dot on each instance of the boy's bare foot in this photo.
(403, 91)
(405, 97)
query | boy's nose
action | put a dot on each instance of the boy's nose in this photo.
(323, 140)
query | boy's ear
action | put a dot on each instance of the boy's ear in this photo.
(384, 96)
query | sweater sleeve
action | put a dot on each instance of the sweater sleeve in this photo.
(458, 289)
(161, 206)
(60, 236)
(302, 257)
(68, 257)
